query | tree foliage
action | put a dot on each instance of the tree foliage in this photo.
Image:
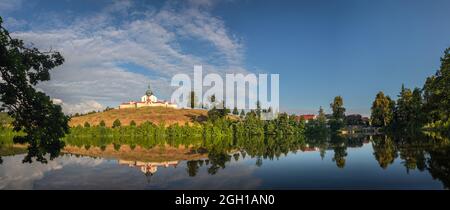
(21, 68)
(382, 110)
(408, 110)
(192, 100)
(337, 107)
(436, 93)
(235, 111)
(116, 123)
(242, 114)
(338, 115)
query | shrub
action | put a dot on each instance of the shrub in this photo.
(116, 123)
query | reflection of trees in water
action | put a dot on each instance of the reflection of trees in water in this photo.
(412, 158)
(416, 151)
(384, 150)
(148, 177)
(412, 149)
(340, 150)
(438, 164)
(192, 167)
(117, 147)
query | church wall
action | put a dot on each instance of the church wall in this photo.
(127, 106)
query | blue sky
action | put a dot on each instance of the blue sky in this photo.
(320, 48)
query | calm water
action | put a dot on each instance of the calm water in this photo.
(357, 163)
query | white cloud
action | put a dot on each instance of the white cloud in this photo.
(57, 101)
(16, 175)
(93, 46)
(82, 107)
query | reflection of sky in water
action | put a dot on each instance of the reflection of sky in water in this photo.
(300, 170)
(307, 170)
(16, 175)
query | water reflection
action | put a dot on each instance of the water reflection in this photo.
(383, 161)
(148, 168)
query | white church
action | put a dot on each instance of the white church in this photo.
(148, 100)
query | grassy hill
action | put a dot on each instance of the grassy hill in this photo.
(153, 114)
(155, 154)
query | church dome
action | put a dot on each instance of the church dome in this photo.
(149, 92)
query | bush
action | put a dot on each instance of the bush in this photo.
(116, 123)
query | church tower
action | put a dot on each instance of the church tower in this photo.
(149, 97)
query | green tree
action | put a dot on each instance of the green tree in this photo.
(258, 109)
(382, 111)
(116, 123)
(192, 100)
(43, 122)
(242, 114)
(87, 125)
(213, 99)
(417, 109)
(321, 118)
(354, 119)
(108, 109)
(436, 93)
(132, 123)
(338, 115)
(102, 123)
(224, 110)
(235, 111)
(408, 110)
(214, 114)
(338, 108)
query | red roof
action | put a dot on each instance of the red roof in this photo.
(307, 116)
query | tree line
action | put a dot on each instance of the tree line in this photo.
(218, 124)
(421, 108)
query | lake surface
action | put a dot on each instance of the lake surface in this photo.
(369, 162)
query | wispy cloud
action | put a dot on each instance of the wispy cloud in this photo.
(94, 47)
(10, 5)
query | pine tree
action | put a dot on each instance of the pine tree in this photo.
(235, 111)
(242, 114)
(436, 92)
(258, 109)
(192, 100)
(321, 118)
